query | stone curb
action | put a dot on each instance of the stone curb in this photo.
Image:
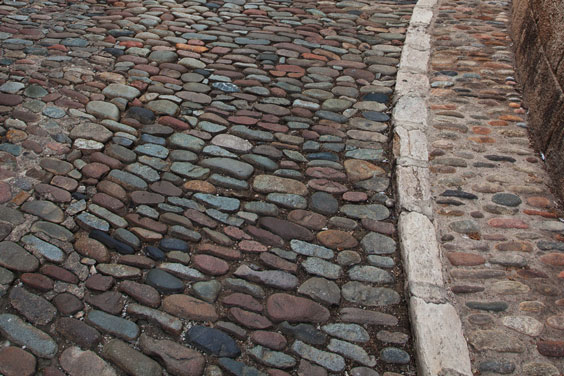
(440, 345)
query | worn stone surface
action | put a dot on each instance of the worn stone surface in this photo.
(77, 362)
(178, 359)
(15, 361)
(23, 334)
(130, 360)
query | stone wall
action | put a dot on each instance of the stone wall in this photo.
(538, 34)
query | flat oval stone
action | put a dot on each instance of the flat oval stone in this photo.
(308, 219)
(330, 361)
(128, 181)
(34, 280)
(556, 321)
(308, 249)
(189, 170)
(16, 330)
(227, 204)
(16, 362)
(189, 308)
(119, 271)
(357, 292)
(110, 301)
(56, 166)
(287, 200)
(273, 278)
(103, 110)
(509, 288)
(366, 316)
(114, 325)
(120, 90)
(506, 199)
(285, 229)
(190, 62)
(523, 324)
(163, 56)
(376, 212)
(496, 340)
(361, 170)
(130, 360)
(35, 91)
(163, 106)
(377, 244)
(44, 209)
(78, 332)
(178, 359)
(228, 166)
(35, 308)
(84, 363)
(317, 266)
(231, 142)
(349, 332)
(272, 358)
(336, 239)
(14, 257)
(67, 304)
(143, 115)
(540, 368)
(144, 294)
(164, 282)
(466, 226)
(212, 341)
(10, 99)
(394, 356)
(351, 351)
(272, 340)
(285, 307)
(210, 264)
(324, 203)
(249, 319)
(47, 250)
(551, 348)
(322, 290)
(497, 366)
(6, 277)
(275, 184)
(366, 273)
(260, 161)
(53, 230)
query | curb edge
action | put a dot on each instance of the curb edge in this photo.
(440, 346)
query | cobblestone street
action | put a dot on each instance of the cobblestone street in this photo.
(499, 226)
(272, 188)
(194, 187)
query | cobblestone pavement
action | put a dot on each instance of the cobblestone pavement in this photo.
(199, 187)
(498, 224)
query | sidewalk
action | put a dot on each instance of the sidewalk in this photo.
(498, 225)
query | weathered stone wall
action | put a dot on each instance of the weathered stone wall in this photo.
(538, 33)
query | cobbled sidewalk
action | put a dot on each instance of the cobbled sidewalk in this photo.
(499, 228)
(194, 187)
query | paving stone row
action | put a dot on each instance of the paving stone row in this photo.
(500, 228)
(194, 187)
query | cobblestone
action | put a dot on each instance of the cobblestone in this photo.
(202, 188)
